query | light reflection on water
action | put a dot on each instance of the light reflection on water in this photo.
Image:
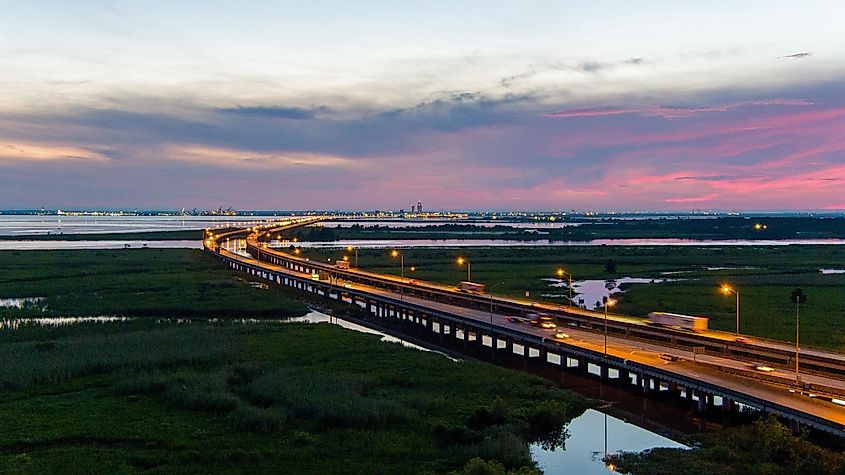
(390, 243)
(592, 435)
(589, 293)
(15, 323)
(319, 317)
(47, 245)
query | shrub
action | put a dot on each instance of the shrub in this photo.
(145, 384)
(253, 419)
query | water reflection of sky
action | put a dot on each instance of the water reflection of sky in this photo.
(585, 446)
(16, 225)
(390, 243)
(595, 291)
(72, 245)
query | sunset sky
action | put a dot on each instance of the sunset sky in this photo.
(651, 105)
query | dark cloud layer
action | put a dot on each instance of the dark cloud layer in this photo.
(456, 149)
(279, 112)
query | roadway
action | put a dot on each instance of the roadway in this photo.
(748, 342)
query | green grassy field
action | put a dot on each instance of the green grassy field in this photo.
(178, 283)
(765, 276)
(260, 398)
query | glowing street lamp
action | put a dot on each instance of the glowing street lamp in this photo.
(461, 261)
(395, 253)
(350, 248)
(727, 291)
(561, 273)
(608, 302)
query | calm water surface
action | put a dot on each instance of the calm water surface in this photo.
(391, 243)
(69, 245)
(18, 225)
(591, 436)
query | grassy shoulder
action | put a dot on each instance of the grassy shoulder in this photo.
(764, 447)
(184, 235)
(229, 398)
(179, 283)
(689, 277)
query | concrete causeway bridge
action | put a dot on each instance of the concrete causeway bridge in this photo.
(712, 370)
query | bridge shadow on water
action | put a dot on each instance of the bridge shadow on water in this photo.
(656, 412)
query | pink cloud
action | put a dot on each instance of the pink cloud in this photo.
(669, 112)
(595, 112)
(699, 199)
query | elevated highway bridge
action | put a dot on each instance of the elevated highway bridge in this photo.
(711, 369)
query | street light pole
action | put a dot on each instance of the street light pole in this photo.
(561, 273)
(401, 256)
(608, 302)
(461, 260)
(491, 301)
(727, 291)
(797, 335)
(737, 312)
(349, 248)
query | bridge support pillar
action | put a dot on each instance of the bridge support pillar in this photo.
(582, 366)
(645, 382)
(702, 401)
(795, 427)
(604, 371)
(673, 389)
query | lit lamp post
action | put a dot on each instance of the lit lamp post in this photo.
(727, 291)
(395, 253)
(608, 302)
(561, 273)
(350, 248)
(461, 261)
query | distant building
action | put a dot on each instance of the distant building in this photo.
(419, 207)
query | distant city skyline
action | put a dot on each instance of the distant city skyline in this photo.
(663, 106)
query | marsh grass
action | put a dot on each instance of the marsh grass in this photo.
(314, 398)
(172, 283)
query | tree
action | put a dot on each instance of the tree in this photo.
(798, 296)
(610, 266)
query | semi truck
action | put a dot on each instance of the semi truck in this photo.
(341, 264)
(472, 287)
(676, 320)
